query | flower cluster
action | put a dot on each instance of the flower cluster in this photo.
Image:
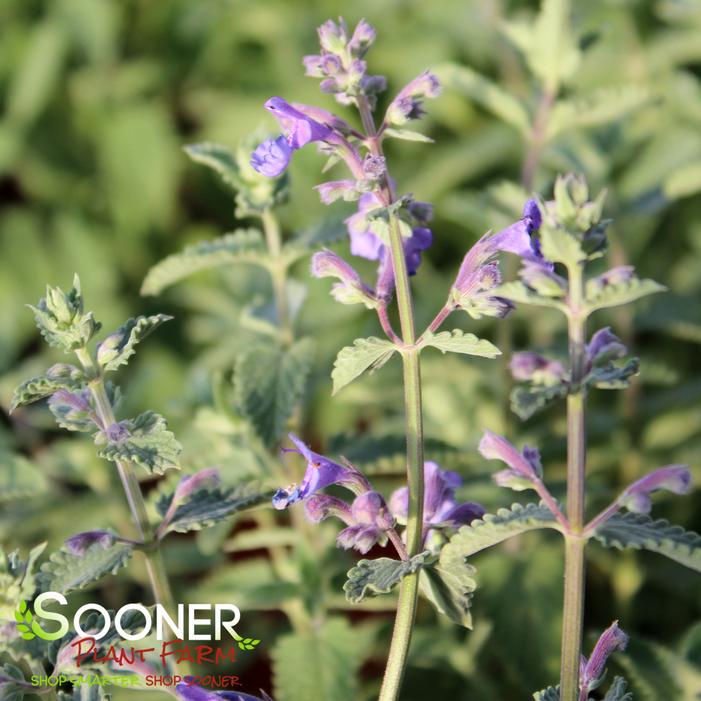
(368, 518)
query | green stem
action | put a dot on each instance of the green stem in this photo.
(155, 567)
(278, 274)
(409, 591)
(573, 604)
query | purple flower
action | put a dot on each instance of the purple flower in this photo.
(191, 691)
(79, 543)
(527, 366)
(333, 37)
(616, 276)
(441, 508)
(369, 521)
(272, 157)
(517, 237)
(524, 466)
(591, 671)
(116, 432)
(350, 289)
(673, 478)
(408, 104)
(363, 38)
(321, 472)
(188, 485)
(604, 346)
(298, 128)
(337, 189)
(322, 506)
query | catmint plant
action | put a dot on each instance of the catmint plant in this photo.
(391, 229)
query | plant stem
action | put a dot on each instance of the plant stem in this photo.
(408, 593)
(536, 139)
(573, 605)
(155, 567)
(278, 274)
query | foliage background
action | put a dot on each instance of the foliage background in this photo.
(99, 96)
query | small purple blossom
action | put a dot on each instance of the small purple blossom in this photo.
(408, 104)
(79, 543)
(188, 485)
(527, 366)
(297, 127)
(272, 157)
(350, 289)
(604, 346)
(321, 472)
(672, 478)
(591, 671)
(370, 520)
(616, 276)
(523, 464)
(441, 508)
(337, 189)
(322, 506)
(116, 432)
(363, 38)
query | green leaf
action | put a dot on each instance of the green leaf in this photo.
(118, 347)
(618, 691)
(603, 106)
(407, 135)
(613, 295)
(209, 506)
(217, 157)
(269, 382)
(527, 400)
(552, 693)
(494, 528)
(319, 664)
(372, 577)
(520, 293)
(66, 572)
(610, 376)
(149, 444)
(449, 585)
(683, 182)
(57, 377)
(352, 361)
(484, 92)
(241, 246)
(561, 247)
(639, 531)
(457, 341)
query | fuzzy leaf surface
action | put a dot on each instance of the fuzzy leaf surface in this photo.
(352, 361)
(379, 576)
(127, 337)
(457, 341)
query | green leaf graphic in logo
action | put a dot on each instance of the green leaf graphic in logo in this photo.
(28, 626)
(245, 643)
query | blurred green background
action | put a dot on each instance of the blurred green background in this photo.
(99, 96)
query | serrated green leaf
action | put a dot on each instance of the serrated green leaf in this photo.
(552, 693)
(622, 293)
(372, 577)
(19, 478)
(117, 348)
(217, 157)
(639, 531)
(241, 246)
(486, 93)
(149, 444)
(561, 247)
(457, 341)
(65, 572)
(407, 135)
(527, 400)
(494, 528)
(209, 506)
(58, 377)
(603, 106)
(449, 585)
(269, 382)
(319, 664)
(610, 376)
(518, 292)
(352, 361)
(618, 691)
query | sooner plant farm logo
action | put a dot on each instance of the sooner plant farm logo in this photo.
(187, 624)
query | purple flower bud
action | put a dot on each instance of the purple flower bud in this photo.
(362, 39)
(272, 157)
(525, 464)
(63, 371)
(373, 84)
(78, 401)
(374, 167)
(350, 289)
(337, 189)
(188, 485)
(532, 216)
(333, 37)
(672, 478)
(320, 506)
(107, 349)
(321, 472)
(604, 346)
(616, 276)
(79, 543)
(527, 366)
(314, 66)
(612, 639)
(370, 520)
(540, 276)
(73, 410)
(420, 240)
(116, 433)
(408, 104)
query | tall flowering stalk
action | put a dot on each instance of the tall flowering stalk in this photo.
(392, 230)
